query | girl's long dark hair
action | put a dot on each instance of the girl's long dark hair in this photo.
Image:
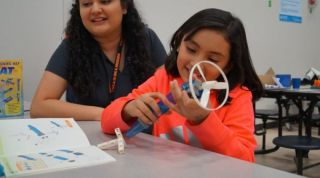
(242, 71)
(84, 50)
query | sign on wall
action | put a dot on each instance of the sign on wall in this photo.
(290, 11)
(11, 89)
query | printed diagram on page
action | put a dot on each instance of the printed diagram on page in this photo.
(37, 136)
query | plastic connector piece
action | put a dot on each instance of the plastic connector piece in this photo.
(119, 142)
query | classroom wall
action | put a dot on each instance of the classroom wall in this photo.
(286, 47)
(272, 43)
(33, 29)
(30, 30)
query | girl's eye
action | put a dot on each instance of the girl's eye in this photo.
(86, 4)
(213, 59)
(106, 1)
(191, 50)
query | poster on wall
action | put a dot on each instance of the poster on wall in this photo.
(290, 11)
(11, 87)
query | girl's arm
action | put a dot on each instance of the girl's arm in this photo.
(233, 134)
(116, 116)
(46, 101)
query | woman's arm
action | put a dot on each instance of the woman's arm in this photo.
(46, 101)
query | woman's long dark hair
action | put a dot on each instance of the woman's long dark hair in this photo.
(242, 71)
(85, 50)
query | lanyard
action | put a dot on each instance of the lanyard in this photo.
(116, 68)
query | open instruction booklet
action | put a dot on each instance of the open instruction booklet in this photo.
(29, 146)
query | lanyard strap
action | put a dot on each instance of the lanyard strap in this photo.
(116, 67)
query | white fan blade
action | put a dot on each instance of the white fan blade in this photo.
(201, 73)
(205, 98)
(214, 85)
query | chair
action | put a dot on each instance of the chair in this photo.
(265, 115)
(315, 121)
(271, 115)
(287, 104)
(301, 144)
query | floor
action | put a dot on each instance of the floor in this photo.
(282, 159)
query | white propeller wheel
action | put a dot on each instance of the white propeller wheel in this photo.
(208, 85)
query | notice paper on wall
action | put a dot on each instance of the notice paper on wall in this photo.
(290, 11)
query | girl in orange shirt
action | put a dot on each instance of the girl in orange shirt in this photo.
(212, 35)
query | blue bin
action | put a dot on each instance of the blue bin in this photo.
(285, 79)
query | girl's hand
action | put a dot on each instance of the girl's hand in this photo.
(145, 108)
(187, 106)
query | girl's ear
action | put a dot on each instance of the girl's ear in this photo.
(178, 49)
(124, 10)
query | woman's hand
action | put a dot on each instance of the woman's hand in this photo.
(187, 106)
(145, 108)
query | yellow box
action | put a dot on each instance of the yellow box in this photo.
(11, 87)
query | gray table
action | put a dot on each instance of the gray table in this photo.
(150, 157)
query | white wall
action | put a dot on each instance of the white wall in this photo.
(32, 30)
(287, 47)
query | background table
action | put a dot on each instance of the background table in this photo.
(301, 144)
(283, 95)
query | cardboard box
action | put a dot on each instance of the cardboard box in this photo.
(267, 78)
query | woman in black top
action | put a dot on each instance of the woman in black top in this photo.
(107, 52)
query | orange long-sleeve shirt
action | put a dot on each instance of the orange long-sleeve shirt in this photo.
(228, 131)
